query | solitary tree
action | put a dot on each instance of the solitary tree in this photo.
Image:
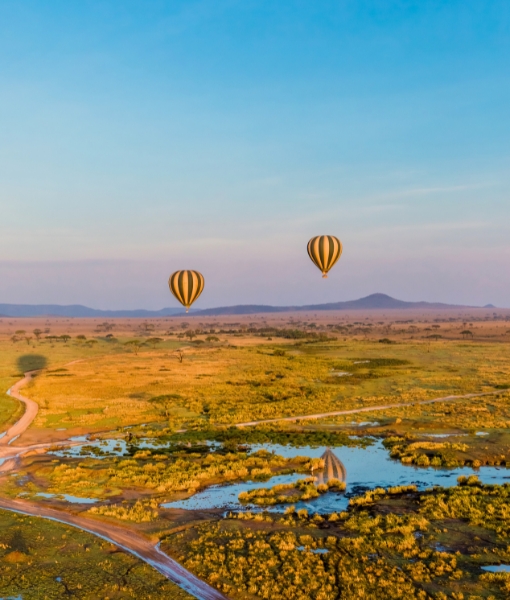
(37, 333)
(146, 327)
(65, 337)
(466, 333)
(27, 339)
(435, 336)
(154, 341)
(167, 402)
(135, 344)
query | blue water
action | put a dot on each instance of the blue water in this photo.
(68, 498)
(313, 550)
(497, 568)
(226, 495)
(111, 447)
(366, 469)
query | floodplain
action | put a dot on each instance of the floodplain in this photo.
(152, 425)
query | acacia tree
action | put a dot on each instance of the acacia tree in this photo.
(167, 402)
(154, 341)
(146, 327)
(136, 345)
(37, 333)
(435, 336)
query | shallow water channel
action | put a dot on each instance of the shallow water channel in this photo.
(366, 468)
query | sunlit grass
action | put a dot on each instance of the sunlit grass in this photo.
(224, 385)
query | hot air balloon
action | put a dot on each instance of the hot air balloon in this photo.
(324, 250)
(186, 286)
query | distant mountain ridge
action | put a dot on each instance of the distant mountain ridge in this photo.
(372, 302)
(77, 310)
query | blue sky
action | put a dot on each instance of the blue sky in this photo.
(137, 138)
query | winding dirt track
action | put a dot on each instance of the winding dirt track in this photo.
(125, 539)
(128, 540)
(29, 415)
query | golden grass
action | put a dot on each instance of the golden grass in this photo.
(225, 385)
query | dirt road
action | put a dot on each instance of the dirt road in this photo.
(127, 540)
(366, 409)
(29, 415)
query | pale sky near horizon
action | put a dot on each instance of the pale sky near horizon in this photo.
(138, 138)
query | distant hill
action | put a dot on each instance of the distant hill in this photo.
(374, 301)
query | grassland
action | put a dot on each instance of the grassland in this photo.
(224, 385)
(18, 357)
(44, 560)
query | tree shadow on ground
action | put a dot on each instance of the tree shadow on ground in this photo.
(31, 362)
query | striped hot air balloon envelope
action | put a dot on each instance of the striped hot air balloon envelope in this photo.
(324, 250)
(186, 286)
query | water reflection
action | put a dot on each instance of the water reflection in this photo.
(365, 468)
(333, 468)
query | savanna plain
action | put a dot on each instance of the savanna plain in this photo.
(328, 455)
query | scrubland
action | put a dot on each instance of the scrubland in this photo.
(391, 544)
(41, 559)
(223, 385)
(286, 493)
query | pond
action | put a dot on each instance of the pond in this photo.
(100, 448)
(67, 498)
(497, 568)
(366, 468)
